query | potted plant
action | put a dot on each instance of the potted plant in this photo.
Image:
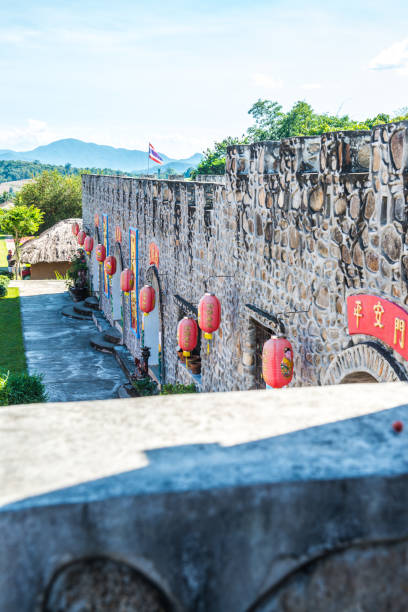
(78, 276)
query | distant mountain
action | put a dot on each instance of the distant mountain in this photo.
(89, 155)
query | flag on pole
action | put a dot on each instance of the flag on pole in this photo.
(153, 155)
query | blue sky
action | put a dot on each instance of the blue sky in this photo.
(183, 74)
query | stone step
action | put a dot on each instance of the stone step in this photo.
(112, 335)
(92, 302)
(99, 343)
(125, 360)
(69, 311)
(100, 322)
(83, 310)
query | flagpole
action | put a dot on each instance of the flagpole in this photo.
(148, 160)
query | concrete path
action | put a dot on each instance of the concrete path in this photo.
(58, 347)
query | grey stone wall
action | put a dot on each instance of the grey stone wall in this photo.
(299, 225)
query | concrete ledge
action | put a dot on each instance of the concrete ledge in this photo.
(216, 498)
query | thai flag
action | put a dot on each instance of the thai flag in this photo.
(153, 155)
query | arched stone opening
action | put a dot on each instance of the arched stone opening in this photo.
(117, 295)
(94, 266)
(367, 362)
(103, 584)
(153, 326)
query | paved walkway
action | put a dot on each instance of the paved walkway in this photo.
(58, 347)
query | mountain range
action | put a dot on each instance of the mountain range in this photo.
(89, 155)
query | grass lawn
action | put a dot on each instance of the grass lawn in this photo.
(12, 356)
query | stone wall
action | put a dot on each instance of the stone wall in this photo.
(286, 501)
(298, 226)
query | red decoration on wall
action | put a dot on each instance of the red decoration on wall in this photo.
(96, 220)
(118, 234)
(277, 362)
(154, 255)
(209, 314)
(100, 253)
(88, 244)
(147, 299)
(127, 281)
(187, 335)
(75, 228)
(374, 316)
(110, 265)
(81, 237)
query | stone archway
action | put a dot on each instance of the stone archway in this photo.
(366, 362)
(103, 584)
(117, 295)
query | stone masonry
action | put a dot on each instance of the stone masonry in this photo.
(298, 226)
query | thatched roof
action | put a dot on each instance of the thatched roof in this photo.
(55, 244)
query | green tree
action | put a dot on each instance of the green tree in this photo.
(20, 221)
(57, 196)
(213, 161)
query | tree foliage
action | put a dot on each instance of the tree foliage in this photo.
(57, 196)
(20, 221)
(271, 123)
(17, 170)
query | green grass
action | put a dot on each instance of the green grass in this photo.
(12, 356)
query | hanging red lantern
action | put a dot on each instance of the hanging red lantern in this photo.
(110, 265)
(100, 253)
(127, 281)
(147, 299)
(277, 362)
(209, 314)
(81, 237)
(187, 335)
(88, 244)
(75, 228)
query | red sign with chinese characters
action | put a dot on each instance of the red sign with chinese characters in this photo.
(374, 316)
(153, 255)
(96, 220)
(118, 234)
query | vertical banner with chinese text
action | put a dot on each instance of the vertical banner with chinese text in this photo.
(105, 234)
(134, 266)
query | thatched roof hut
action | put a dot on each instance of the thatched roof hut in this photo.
(52, 251)
(56, 244)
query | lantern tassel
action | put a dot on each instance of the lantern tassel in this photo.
(208, 348)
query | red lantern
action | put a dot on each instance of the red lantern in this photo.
(147, 299)
(75, 228)
(187, 335)
(110, 265)
(100, 253)
(81, 237)
(209, 314)
(88, 244)
(127, 281)
(277, 362)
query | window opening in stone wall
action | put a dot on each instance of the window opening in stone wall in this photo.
(262, 334)
(328, 205)
(358, 377)
(384, 205)
(209, 198)
(191, 196)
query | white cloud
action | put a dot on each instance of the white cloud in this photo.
(267, 81)
(394, 57)
(33, 134)
(311, 86)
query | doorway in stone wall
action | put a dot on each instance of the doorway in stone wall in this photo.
(262, 334)
(358, 377)
(117, 314)
(152, 328)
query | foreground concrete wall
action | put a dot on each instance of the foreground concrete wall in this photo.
(257, 501)
(298, 226)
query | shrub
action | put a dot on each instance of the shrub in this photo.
(145, 386)
(4, 280)
(10, 275)
(21, 388)
(178, 388)
(3, 291)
